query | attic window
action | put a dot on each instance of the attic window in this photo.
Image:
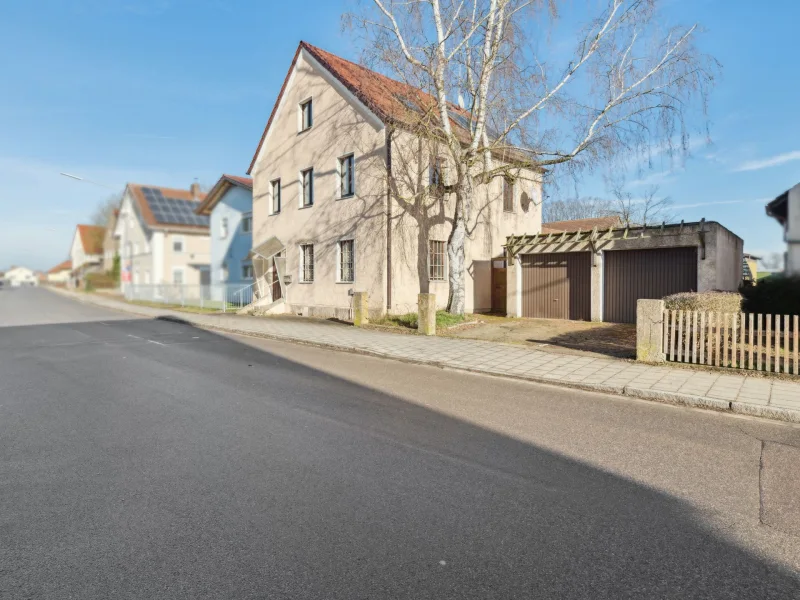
(306, 115)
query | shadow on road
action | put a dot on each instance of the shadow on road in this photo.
(202, 467)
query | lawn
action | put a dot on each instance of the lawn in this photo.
(409, 320)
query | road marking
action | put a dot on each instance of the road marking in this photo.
(155, 342)
(136, 337)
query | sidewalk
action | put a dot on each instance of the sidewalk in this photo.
(738, 393)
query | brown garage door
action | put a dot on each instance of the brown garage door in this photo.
(633, 274)
(557, 286)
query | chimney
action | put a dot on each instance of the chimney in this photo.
(195, 189)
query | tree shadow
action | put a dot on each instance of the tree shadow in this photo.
(208, 468)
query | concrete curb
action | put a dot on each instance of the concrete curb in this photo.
(664, 397)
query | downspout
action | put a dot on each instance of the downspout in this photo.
(388, 218)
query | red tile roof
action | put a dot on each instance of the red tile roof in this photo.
(223, 185)
(146, 214)
(92, 238)
(582, 224)
(64, 266)
(390, 100)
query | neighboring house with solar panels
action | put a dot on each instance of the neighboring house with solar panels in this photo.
(347, 198)
(229, 208)
(161, 238)
(86, 252)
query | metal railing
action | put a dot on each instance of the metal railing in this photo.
(220, 297)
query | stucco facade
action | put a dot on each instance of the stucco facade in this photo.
(786, 209)
(390, 217)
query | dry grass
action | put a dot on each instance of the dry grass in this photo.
(724, 302)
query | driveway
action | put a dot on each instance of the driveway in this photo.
(149, 459)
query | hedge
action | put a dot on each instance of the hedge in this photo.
(724, 302)
(775, 295)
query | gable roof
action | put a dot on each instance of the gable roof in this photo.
(392, 101)
(156, 219)
(582, 224)
(64, 266)
(91, 237)
(225, 183)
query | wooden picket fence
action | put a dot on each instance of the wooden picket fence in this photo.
(741, 341)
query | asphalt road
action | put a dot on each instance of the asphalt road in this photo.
(149, 459)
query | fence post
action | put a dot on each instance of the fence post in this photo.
(360, 310)
(650, 331)
(426, 318)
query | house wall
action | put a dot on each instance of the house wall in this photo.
(728, 249)
(792, 232)
(59, 277)
(339, 128)
(134, 244)
(21, 276)
(418, 218)
(233, 250)
(110, 246)
(194, 257)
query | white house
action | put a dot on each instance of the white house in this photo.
(21, 277)
(161, 239)
(786, 209)
(86, 252)
(60, 274)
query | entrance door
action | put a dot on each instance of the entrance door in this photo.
(275, 281)
(499, 285)
(557, 286)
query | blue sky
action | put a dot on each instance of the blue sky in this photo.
(166, 91)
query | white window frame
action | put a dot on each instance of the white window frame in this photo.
(302, 199)
(246, 264)
(300, 120)
(272, 183)
(339, 260)
(182, 271)
(340, 162)
(178, 238)
(247, 218)
(223, 228)
(301, 263)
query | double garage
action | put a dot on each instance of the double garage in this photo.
(603, 279)
(559, 285)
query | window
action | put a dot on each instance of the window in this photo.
(276, 196)
(437, 175)
(247, 271)
(306, 263)
(223, 228)
(177, 245)
(346, 272)
(223, 273)
(436, 260)
(347, 177)
(307, 179)
(177, 276)
(306, 115)
(508, 195)
(247, 222)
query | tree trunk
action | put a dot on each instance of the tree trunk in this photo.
(455, 247)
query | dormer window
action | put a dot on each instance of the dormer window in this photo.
(306, 115)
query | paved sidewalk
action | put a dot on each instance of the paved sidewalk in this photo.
(765, 397)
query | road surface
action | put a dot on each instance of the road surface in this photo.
(149, 459)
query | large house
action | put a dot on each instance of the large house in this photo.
(786, 209)
(86, 252)
(20, 277)
(229, 207)
(161, 238)
(60, 274)
(347, 197)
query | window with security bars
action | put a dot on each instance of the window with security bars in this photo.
(508, 195)
(307, 263)
(308, 187)
(347, 178)
(347, 264)
(436, 260)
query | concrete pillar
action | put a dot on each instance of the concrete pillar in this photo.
(514, 287)
(426, 319)
(597, 273)
(650, 331)
(360, 310)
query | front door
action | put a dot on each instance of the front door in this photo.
(275, 282)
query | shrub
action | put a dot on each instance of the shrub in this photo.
(724, 302)
(775, 295)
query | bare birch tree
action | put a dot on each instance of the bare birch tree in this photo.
(577, 208)
(631, 83)
(648, 208)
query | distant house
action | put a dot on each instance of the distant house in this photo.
(750, 268)
(229, 207)
(60, 274)
(86, 252)
(161, 238)
(786, 210)
(110, 242)
(21, 277)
